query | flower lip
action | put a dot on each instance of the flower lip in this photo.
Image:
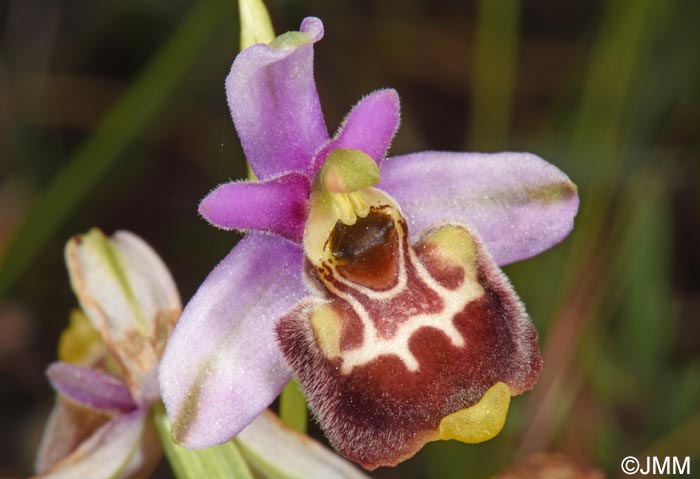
(416, 334)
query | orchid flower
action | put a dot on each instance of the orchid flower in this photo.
(101, 425)
(106, 379)
(373, 280)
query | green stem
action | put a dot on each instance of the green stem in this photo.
(494, 73)
(293, 411)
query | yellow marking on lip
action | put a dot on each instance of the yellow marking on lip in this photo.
(456, 246)
(480, 422)
(327, 327)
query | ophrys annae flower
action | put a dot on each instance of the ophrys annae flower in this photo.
(405, 330)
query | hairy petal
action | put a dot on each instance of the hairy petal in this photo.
(274, 104)
(129, 296)
(519, 204)
(278, 451)
(90, 387)
(106, 452)
(222, 366)
(277, 206)
(369, 127)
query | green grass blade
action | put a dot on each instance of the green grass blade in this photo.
(127, 120)
(495, 72)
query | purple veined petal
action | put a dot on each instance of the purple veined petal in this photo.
(277, 205)
(519, 204)
(278, 451)
(222, 366)
(274, 103)
(90, 387)
(369, 127)
(106, 452)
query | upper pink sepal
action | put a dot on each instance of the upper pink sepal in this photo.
(274, 104)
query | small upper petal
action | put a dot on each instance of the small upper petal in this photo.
(274, 103)
(519, 204)
(369, 127)
(277, 205)
(222, 366)
(90, 387)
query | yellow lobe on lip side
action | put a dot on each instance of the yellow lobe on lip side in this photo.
(480, 422)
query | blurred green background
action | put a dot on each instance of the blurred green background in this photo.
(113, 114)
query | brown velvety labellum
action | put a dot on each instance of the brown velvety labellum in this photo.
(401, 337)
